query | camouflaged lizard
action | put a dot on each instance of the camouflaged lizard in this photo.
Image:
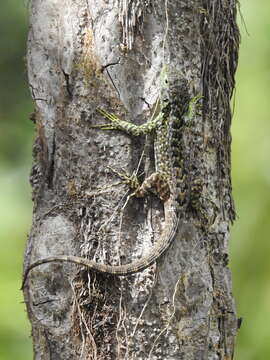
(174, 104)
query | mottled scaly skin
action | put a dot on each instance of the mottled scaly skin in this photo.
(168, 177)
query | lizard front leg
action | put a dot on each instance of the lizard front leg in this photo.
(136, 130)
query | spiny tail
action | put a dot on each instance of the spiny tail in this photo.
(171, 225)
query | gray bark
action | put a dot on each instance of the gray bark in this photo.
(181, 308)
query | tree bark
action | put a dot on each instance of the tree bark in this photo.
(84, 55)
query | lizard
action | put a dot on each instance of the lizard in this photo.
(168, 178)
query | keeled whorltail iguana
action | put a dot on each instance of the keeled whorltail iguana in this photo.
(174, 104)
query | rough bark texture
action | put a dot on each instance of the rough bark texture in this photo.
(181, 308)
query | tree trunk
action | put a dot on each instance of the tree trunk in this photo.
(84, 55)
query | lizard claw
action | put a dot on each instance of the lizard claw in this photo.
(105, 127)
(131, 180)
(108, 115)
(114, 125)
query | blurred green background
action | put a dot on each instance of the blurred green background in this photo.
(250, 245)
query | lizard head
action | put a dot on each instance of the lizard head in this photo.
(173, 89)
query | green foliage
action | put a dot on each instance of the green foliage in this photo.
(251, 182)
(16, 133)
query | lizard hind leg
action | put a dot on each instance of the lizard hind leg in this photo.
(131, 180)
(157, 181)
